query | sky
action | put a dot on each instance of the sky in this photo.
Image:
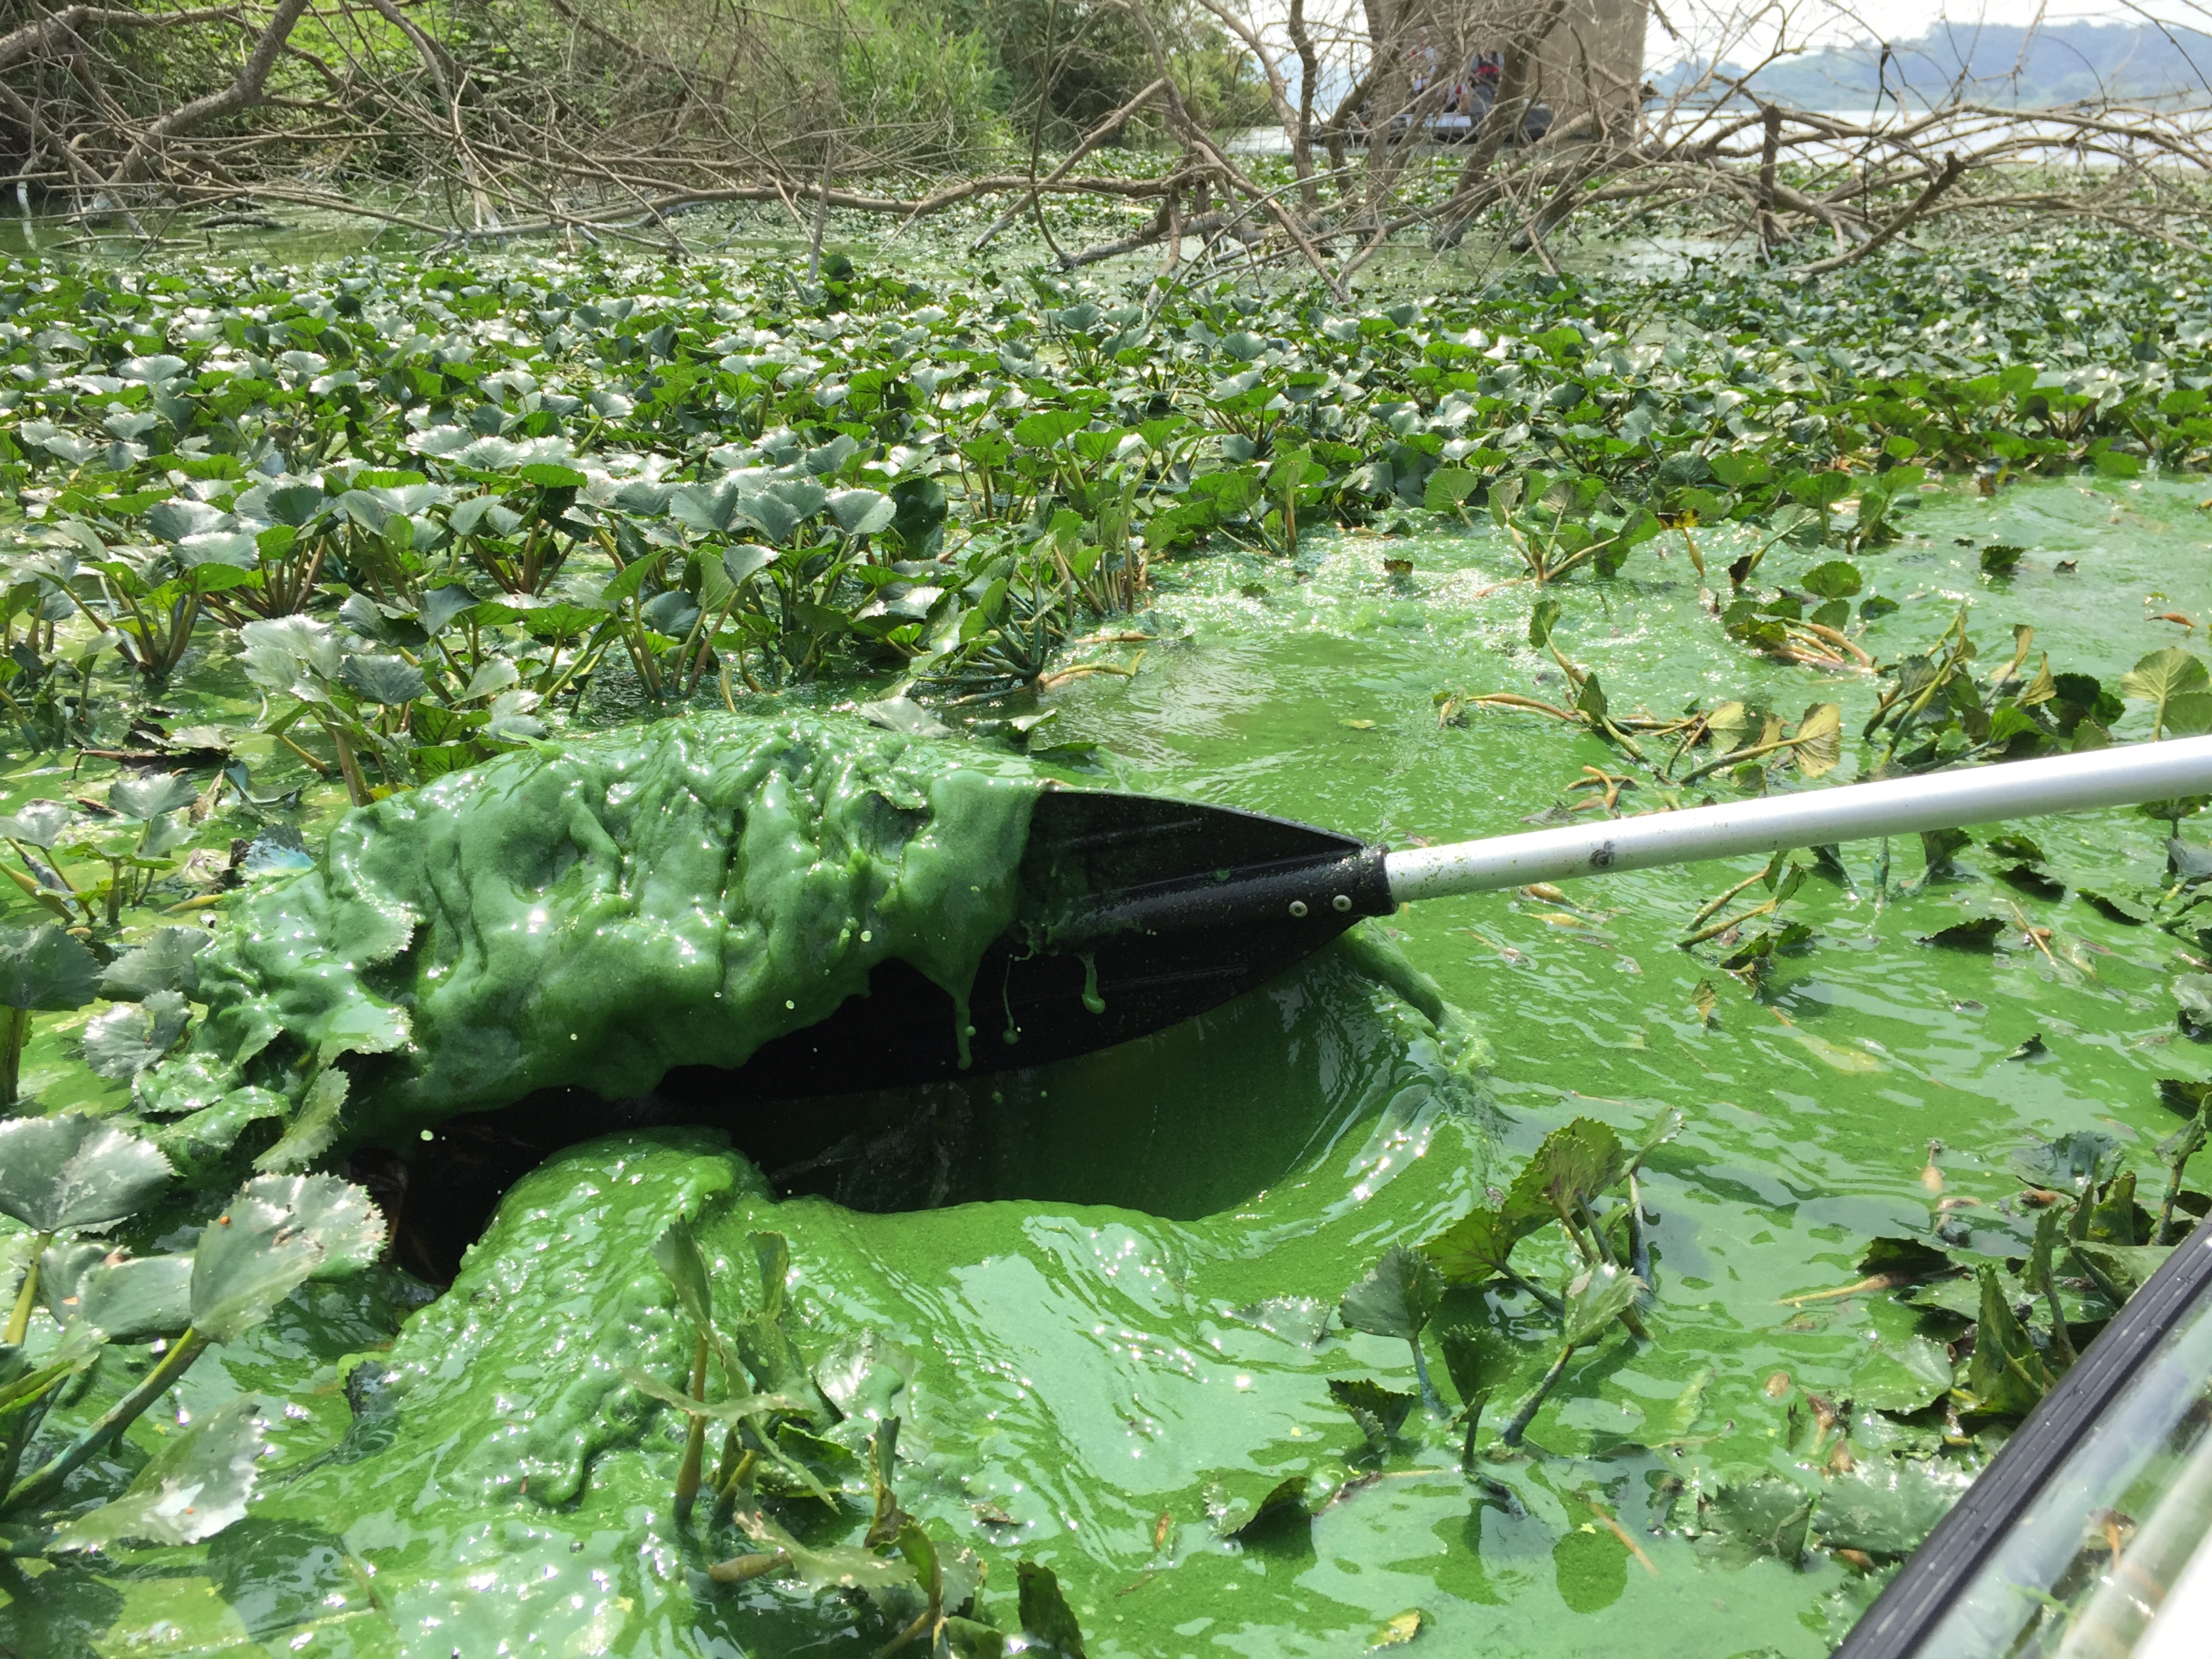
(1810, 22)
(1829, 21)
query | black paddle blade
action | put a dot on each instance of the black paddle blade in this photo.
(1136, 914)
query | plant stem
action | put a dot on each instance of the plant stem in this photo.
(1525, 1413)
(15, 1032)
(1639, 1242)
(18, 1321)
(1543, 1296)
(1713, 930)
(36, 1488)
(1472, 1414)
(1597, 1234)
(2060, 1337)
(695, 1443)
(2163, 1233)
(1582, 1245)
(744, 1568)
(1713, 905)
(1430, 1398)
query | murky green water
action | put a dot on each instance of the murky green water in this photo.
(1089, 1382)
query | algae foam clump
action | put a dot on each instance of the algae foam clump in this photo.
(594, 915)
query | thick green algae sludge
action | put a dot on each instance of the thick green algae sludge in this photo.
(675, 895)
(1100, 1387)
(1065, 1376)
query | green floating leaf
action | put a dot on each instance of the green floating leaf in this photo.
(1398, 1297)
(1886, 1508)
(1474, 1250)
(861, 512)
(2128, 911)
(1744, 1520)
(1979, 935)
(129, 1037)
(2178, 688)
(1576, 1163)
(166, 962)
(1837, 580)
(197, 1485)
(1960, 1297)
(2020, 848)
(1913, 1257)
(2193, 993)
(2007, 1375)
(1595, 1298)
(2125, 1268)
(38, 823)
(1906, 1375)
(2179, 1095)
(1378, 1411)
(313, 1128)
(46, 970)
(1543, 617)
(73, 1170)
(839, 1566)
(389, 681)
(1046, 1618)
(277, 1233)
(149, 794)
(2070, 1162)
(2032, 882)
(125, 1299)
(1250, 1500)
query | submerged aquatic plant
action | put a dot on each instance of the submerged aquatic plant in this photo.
(785, 1443)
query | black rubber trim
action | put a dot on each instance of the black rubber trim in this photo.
(1917, 1599)
(1334, 890)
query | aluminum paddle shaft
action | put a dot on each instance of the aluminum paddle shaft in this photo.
(1816, 817)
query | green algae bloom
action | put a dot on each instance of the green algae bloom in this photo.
(672, 895)
(1067, 1368)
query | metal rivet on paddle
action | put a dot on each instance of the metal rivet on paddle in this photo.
(1298, 907)
(1341, 901)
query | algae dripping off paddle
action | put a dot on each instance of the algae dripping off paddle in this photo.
(1138, 913)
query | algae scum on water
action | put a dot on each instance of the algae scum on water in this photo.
(676, 895)
(1269, 1333)
(1100, 1387)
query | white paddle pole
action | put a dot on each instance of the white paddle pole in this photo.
(2117, 777)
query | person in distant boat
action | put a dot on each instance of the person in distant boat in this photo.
(1420, 62)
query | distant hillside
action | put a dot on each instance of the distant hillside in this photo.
(1993, 62)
